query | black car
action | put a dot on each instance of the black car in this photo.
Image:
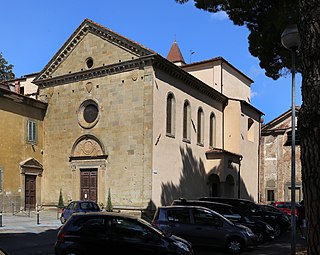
(261, 229)
(91, 233)
(278, 221)
(203, 227)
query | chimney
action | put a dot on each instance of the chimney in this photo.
(17, 86)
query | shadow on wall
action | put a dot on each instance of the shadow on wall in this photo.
(194, 181)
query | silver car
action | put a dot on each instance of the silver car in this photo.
(203, 227)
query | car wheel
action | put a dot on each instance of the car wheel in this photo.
(234, 245)
(260, 237)
(277, 230)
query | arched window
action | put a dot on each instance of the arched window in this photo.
(170, 125)
(212, 130)
(186, 121)
(200, 127)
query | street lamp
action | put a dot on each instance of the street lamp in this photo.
(290, 39)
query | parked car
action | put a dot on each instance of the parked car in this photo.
(261, 229)
(107, 232)
(203, 227)
(78, 206)
(285, 207)
(277, 220)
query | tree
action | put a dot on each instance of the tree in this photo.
(109, 207)
(6, 72)
(266, 20)
(60, 202)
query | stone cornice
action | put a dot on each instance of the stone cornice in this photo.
(189, 79)
(96, 72)
(18, 98)
(139, 63)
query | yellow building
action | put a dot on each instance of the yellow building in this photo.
(21, 143)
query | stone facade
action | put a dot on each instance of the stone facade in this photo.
(106, 119)
(276, 160)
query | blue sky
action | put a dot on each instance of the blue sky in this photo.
(34, 30)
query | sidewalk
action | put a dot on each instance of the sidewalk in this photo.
(29, 222)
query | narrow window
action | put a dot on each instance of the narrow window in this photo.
(250, 130)
(186, 121)
(200, 127)
(270, 195)
(212, 130)
(32, 131)
(170, 115)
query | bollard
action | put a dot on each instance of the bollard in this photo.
(38, 217)
(0, 219)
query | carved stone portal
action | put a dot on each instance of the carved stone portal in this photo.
(87, 146)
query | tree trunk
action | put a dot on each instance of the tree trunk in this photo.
(309, 118)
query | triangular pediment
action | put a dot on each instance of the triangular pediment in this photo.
(280, 124)
(31, 163)
(95, 43)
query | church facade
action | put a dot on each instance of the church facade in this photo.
(149, 129)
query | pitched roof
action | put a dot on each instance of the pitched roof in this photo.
(85, 27)
(175, 55)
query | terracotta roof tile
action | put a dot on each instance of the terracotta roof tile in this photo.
(174, 54)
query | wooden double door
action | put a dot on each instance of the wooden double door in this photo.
(88, 184)
(30, 191)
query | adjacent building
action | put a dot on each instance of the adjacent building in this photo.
(276, 160)
(21, 144)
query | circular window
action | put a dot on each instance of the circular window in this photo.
(89, 62)
(88, 114)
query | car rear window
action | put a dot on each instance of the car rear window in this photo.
(87, 224)
(178, 216)
(89, 206)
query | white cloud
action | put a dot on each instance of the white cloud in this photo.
(253, 94)
(219, 15)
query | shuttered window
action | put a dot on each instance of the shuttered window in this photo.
(32, 131)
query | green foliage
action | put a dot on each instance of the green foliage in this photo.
(266, 20)
(109, 207)
(6, 72)
(60, 203)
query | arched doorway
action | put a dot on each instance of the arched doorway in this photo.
(88, 165)
(214, 185)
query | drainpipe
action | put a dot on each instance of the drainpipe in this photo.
(239, 178)
(221, 81)
(259, 151)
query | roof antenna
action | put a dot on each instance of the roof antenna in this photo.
(191, 53)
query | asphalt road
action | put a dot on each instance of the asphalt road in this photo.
(42, 243)
(28, 243)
